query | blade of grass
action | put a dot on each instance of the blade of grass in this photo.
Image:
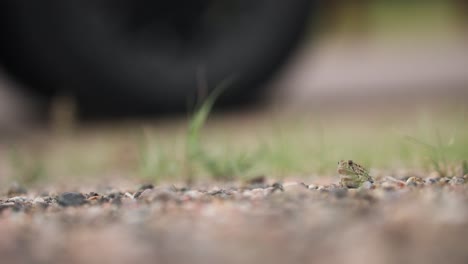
(196, 123)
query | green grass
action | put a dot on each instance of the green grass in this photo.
(312, 146)
(156, 162)
(225, 147)
(26, 168)
(442, 150)
(220, 166)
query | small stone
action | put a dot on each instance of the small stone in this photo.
(367, 185)
(143, 195)
(138, 193)
(215, 190)
(312, 187)
(39, 201)
(129, 195)
(157, 194)
(116, 201)
(92, 194)
(94, 198)
(18, 199)
(193, 194)
(444, 180)
(294, 186)
(414, 181)
(220, 193)
(431, 181)
(322, 189)
(49, 200)
(6, 205)
(71, 199)
(393, 179)
(113, 195)
(18, 203)
(465, 177)
(277, 187)
(457, 181)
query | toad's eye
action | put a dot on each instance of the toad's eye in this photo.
(350, 162)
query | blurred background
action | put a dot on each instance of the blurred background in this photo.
(334, 53)
(350, 79)
(411, 52)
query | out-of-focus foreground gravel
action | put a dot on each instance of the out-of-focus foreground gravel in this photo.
(393, 221)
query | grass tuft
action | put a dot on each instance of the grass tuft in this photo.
(220, 167)
(27, 170)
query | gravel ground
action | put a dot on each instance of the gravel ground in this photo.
(395, 220)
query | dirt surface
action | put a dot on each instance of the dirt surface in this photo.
(395, 220)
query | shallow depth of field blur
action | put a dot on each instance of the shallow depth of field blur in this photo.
(384, 84)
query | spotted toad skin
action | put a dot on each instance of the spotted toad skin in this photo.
(352, 174)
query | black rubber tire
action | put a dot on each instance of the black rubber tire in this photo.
(157, 66)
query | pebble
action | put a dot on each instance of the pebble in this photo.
(71, 199)
(157, 194)
(394, 180)
(129, 195)
(7, 205)
(215, 190)
(322, 189)
(431, 180)
(367, 185)
(294, 186)
(18, 199)
(39, 201)
(193, 194)
(278, 186)
(17, 203)
(457, 181)
(224, 194)
(444, 179)
(386, 188)
(414, 181)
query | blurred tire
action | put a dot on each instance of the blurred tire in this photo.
(143, 57)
